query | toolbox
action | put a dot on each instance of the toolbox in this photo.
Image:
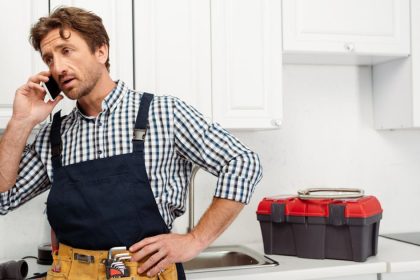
(321, 223)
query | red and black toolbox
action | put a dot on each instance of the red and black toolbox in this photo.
(321, 223)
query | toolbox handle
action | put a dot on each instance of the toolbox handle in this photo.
(341, 193)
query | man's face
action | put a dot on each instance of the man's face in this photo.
(72, 64)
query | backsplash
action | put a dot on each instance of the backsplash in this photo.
(327, 139)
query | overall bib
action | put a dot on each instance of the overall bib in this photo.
(103, 203)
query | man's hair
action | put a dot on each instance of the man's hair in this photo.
(86, 23)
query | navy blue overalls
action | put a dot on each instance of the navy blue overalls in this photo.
(104, 203)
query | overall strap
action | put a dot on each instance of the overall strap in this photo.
(55, 140)
(140, 128)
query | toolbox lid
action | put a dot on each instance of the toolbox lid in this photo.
(364, 207)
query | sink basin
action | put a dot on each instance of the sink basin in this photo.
(227, 258)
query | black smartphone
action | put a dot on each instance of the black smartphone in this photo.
(52, 88)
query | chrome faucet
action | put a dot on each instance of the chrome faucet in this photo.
(191, 198)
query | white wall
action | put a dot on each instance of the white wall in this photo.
(327, 139)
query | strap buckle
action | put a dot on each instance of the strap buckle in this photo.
(139, 134)
(56, 150)
(84, 258)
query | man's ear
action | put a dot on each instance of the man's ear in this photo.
(101, 54)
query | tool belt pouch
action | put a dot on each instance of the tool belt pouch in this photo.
(169, 274)
(60, 267)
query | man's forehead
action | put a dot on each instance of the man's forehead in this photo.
(52, 37)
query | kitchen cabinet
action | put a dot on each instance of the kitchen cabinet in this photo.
(222, 57)
(19, 60)
(246, 63)
(117, 19)
(401, 276)
(396, 85)
(172, 50)
(344, 31)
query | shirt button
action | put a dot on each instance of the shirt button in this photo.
(99, 152)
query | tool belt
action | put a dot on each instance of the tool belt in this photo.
(78, 264)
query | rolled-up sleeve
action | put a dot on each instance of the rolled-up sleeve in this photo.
(31, 181)
(216, 150)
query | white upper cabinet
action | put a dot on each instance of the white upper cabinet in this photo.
(18, 59)
(246, 63)
(117, 19)
(172, 50)
(222, 57)
(396, 85)
(345, 31)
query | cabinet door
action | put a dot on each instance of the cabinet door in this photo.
(117, 19)
(396, 85)
(367, 27)
(411, 275)
(19, 60)
(246, 63)
(172, 50)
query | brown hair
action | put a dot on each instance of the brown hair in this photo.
(86, 23)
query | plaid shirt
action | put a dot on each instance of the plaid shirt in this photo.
(178, 137)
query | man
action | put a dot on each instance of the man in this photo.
(118, 165)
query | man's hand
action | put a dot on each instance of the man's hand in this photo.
(29, 106)
(29, 109)
(163, 250)
(166, 249)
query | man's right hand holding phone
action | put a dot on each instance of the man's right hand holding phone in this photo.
(29, 105)
(29, 109)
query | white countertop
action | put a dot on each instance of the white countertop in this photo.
(399, 256)
(393, 256)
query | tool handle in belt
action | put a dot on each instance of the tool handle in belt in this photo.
(115, 269)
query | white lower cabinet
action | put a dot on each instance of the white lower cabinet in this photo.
(414, 275)
(18, 59)
(354, 277)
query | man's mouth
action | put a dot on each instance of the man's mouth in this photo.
(67, 82)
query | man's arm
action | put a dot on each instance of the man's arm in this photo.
(238, 170)
(166, 249)
(29, 109)
(11, 147)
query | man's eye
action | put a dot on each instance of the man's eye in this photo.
(48, 61)
(66, 51)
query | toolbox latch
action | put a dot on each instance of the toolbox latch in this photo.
(336, 215)
(277, 213)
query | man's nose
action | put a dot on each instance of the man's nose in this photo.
(59, 67)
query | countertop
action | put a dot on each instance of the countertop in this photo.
(393, 256)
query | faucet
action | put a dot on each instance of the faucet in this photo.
(191, 188)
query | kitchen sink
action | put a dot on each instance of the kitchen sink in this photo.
(220, 258)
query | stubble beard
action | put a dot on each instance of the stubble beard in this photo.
(86, 86)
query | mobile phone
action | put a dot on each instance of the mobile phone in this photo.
(52, 88)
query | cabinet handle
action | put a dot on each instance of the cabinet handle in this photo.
(276, 122)
(349, 47)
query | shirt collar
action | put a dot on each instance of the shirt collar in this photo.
(110, 102)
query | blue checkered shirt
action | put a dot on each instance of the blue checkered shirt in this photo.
(178, 137)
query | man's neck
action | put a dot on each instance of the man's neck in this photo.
(91, 104)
